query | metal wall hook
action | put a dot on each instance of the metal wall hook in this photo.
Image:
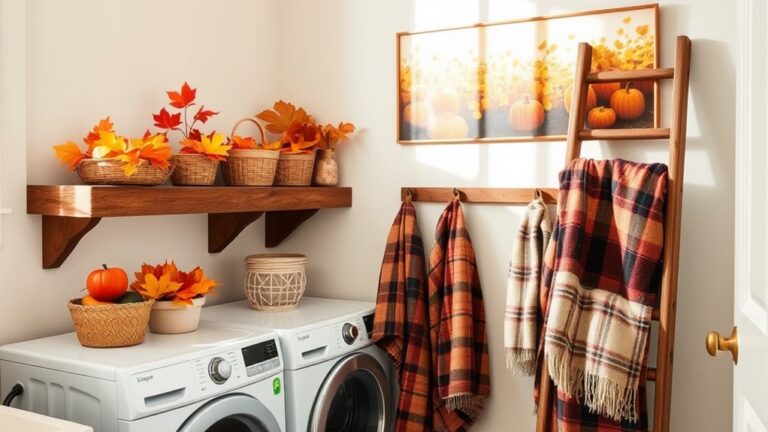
(457, 194)
(408, 195)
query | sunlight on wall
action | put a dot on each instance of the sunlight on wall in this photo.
(502, 10)
(431, 14)
(463, 161)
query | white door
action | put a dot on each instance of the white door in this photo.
(750, 388)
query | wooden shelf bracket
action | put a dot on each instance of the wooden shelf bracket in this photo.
(225, 227)
(60, 236)
(280, 224)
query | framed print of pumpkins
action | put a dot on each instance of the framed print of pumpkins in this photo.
(512, 81)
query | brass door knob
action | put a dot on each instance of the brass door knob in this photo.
(716, 342)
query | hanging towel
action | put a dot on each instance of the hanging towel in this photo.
(400, 325)
(522, 319)
(601, 282)
(457, 326)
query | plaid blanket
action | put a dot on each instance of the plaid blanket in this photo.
(600, 280)
(521, 317)
(457, 326)
(400, 325)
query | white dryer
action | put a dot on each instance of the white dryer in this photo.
(335, 379)
(218, 378)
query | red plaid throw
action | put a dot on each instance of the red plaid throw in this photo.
(400, 325)
(457, 326)
(600, 281)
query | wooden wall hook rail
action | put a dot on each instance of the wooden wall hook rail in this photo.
(508, 196)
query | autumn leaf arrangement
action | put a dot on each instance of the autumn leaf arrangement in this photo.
(298, 132)
(200, 154)
(113, 158)
(165, 282)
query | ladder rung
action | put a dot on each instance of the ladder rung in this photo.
(631, 75)
(650, 374)
(624, 134)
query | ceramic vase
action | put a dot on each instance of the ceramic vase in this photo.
(168, 317)
(326, 168)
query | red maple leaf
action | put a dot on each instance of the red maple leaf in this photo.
(203, 115)
(184, 98)
(166, 120)
(195, 135)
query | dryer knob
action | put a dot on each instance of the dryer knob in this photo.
(349, 332)
(219, 370)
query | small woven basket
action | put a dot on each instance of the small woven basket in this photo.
(110, 172)
(250, 167)
(275, 282)
(194, 170)
(109, 326)
(295, 169)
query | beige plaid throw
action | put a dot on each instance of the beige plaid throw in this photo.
(521, 316)
(605, 271)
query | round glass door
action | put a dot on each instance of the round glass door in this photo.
(231, 413)
(354, 397)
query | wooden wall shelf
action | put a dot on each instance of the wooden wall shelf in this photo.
(69, 212)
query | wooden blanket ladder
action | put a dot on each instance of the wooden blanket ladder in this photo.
(665, 311)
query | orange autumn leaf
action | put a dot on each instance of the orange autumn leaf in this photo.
(184, 98)
(156, 288)
(241, 143)
(283, 116)
(104, 125)
(69, 154)
(131, 161)
(333, 134)
(157, 155)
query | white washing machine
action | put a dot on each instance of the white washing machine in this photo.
(335, 379)
(218, 378)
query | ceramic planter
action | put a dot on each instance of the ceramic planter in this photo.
(170, 318)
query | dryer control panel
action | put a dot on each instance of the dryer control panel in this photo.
(312, 345)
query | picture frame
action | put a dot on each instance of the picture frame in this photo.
(509, 81)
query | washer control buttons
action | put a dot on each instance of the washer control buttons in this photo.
(219, 370)
(349, 333)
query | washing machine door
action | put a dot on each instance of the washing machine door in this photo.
(355, 397)
(232, 413)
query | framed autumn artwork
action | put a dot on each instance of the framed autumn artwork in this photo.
(512, 81)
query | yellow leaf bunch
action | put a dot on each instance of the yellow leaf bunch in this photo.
(104, 143)
(166, 282)
(212, 146)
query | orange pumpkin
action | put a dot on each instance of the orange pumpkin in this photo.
(448, 126)
(90, 301)
(645, 86)
(107, 284)
(629, 103)
(415, 113)
(445, 100)
(591, 98)
(601, 118)
(604, 91)
(526, 114)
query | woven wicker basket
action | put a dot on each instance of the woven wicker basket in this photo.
(114, 325)
(194, 170)
(295, 169)
(250, 167)
(110, 172)
(275, 282)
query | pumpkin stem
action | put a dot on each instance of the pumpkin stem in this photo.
(105, 267)
(629, 83)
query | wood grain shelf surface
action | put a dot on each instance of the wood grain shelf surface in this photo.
(114, 201)
(71, 211)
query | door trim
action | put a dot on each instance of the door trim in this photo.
(239, 405)
(348, 365)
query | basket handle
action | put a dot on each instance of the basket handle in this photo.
(254, 121)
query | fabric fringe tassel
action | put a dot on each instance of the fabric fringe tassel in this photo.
(601, 395)
(521, 360)
(467, 403)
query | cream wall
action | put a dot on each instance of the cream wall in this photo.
(336, 57)
(343, 68)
